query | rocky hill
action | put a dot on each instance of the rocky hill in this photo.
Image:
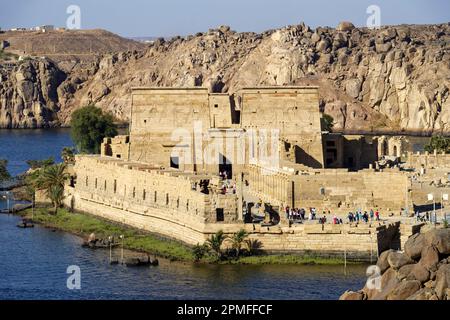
(421, 272)
(393, 79)
(67, 45)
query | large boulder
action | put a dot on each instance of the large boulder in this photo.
(352, 295)
(414, 245)
(345, 26)
(389, 282)
(442, 280)
(398, 259)
(382, 262)
(422, 294)
(429, 258)
(404, 290)
(353, 87)
(419, 273)
(439, 238)
(404, 271)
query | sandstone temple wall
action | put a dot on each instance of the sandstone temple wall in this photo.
(428, 160)
(174, 122)
(160, 114)
(187, 215)
(292, 110)
(337, 190)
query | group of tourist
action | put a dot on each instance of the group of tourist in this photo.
(224, 175)
(228, 187)
(296, 213)
(358, 216)
(299, 215)
(426, 217)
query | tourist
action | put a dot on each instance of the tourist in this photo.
(350, 217)
(295, 214)
(371, 215)
(287, 212)
(335, 220)
(377, 215)
(365, 217)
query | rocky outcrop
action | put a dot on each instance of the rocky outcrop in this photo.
(141, 260)
(391, 79)
(28, 94)
(422, 272)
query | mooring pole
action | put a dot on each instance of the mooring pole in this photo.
(345, 260)
(121, 253)
(110, 249)
(7, 202)
(371, 248)
(434, 211)
(32, 206)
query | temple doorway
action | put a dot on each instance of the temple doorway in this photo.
(225, 166)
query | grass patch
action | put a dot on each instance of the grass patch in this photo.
(84, 224)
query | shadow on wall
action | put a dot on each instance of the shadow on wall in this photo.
(389, 239)
(304, 158)
(427, 207)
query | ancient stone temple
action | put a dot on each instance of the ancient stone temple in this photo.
(196, 162)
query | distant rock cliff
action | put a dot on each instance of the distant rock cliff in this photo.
(28, 94)
(393, 79)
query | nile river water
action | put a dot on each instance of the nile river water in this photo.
(33, 262)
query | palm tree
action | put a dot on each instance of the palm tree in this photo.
(52, 180)
(237, 240)
(56, 195)
(253, 245)
(215, 242)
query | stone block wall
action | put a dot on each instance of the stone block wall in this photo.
(164, 120)
(117, 147)
(292, 110)
(428, 160)
(178, 211)
(332, 189)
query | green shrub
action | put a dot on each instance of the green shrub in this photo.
(199, 251)
(89, 125)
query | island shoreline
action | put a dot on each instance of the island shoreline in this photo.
(82, 224)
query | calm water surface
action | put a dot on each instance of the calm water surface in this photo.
(33, 262)
(18, 146)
